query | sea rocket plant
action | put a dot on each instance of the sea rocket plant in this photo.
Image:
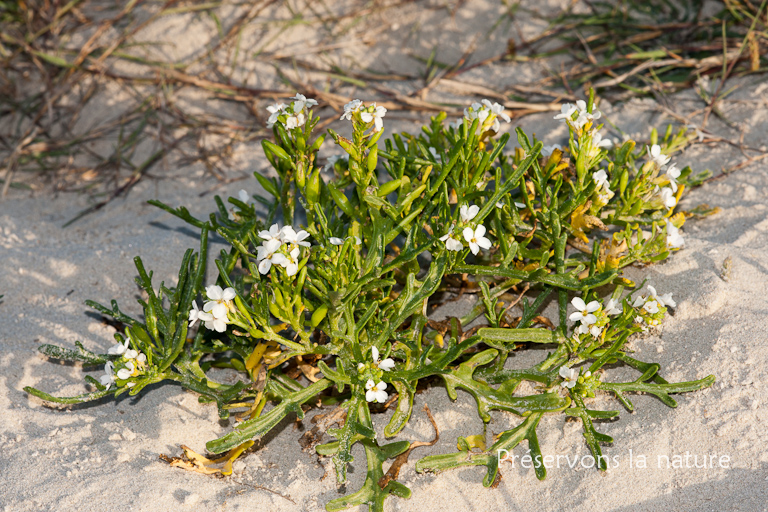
(343, 263)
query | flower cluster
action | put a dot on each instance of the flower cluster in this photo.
(585, 314)
(375, 392)
(487, 113)
(652, 307)
(577, 115)
(571, 376)
(281, 246)
(475, 237)
(370, 114)
(215, 310)
(293, 115)
(672, 173)
(129, 365)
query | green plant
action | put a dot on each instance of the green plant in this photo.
(392, 229)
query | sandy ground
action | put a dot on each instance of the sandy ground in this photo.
(105, 456)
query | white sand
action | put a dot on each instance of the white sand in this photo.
(105, 456)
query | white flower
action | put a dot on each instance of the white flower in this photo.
(291, 237)
(301, 102)
(274, 111)
(218, 300)
(673, 172)
(654, 154)
(244, 196)
(456, 124)
(664, 300)
(601, 178)
(290, 263)
(295, 120)
(599, 142)
(595, 331)
(497, 109)
(674, 238)
(476, 238)
(109, 377)
(118, 349)
(571, 376)
(131, 354)
(127, 372)
(468, 213)
(385, 365)
(265, 253)
(566, 112)
(336, 241)
(375, 392)
(548, 150)
(194, 314)
(500, 204)
(584, 311)
(350, 108)
(611, 308)
(376, 116)
(519, 205)
(668, 197)
(273, 233)
(450, 242)
(214, 324)
(651, 306)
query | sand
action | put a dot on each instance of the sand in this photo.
(104, 456)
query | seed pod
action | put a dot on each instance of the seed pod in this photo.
(319, 315)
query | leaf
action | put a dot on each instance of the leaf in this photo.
(259, 426)
(66, 354)
(195, 462)
(79, 399)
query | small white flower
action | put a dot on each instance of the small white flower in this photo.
(519, 205)
(595, 331)
(109, 375)
(639, 301)
(476, 238)
(584, 311)
(651, 306)
(244, 196)
(273, 233)
(336, 241)
(274, 111)
(457, 124)
(118, 349)
(295, 121)
(654, 154)
(599, 142)
(601, 178)
(664, 300)
(500, 204)
(566, 112)
(674, 238)
(301, 102)
(131, 354)
(291, 237)
(290, 263)
(141, 358)
(450, 242)
(468, 213)
(673, 172)
(612, 308)
(214, 324)
(194, 314)
(218, 300)
(350, 108)
(497, 109)
(668, 197)
(127, 372)
(376, 117)
(385, 365)
(265, 253)
(571, 376)
(375, 392)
